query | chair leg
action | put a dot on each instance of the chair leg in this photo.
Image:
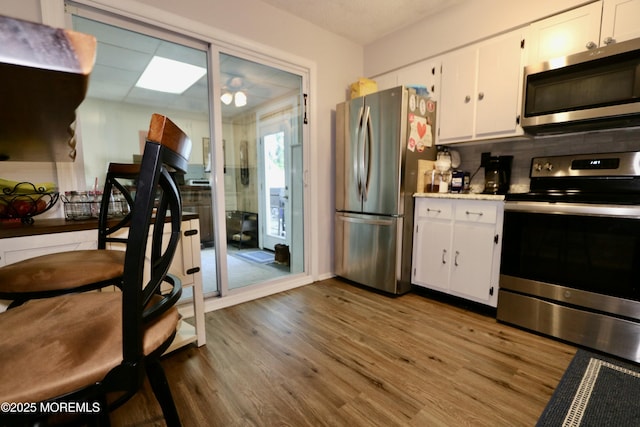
(161, 390)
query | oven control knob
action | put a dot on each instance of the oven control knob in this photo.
(537, 167)
(548, 166)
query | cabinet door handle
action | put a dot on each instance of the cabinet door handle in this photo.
(481, 96)
(444, 252)
(474, 213)
(467, 99)
(455, 260)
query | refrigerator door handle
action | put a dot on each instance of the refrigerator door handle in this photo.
(366, 153)
(367, 220)
(357, 169)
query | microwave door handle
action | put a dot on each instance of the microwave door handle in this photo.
(366, 151)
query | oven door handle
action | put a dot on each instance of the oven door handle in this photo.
(585, 209)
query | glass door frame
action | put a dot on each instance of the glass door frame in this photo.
(217, 172)
(53, 13)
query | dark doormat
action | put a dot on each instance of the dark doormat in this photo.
(595, 390)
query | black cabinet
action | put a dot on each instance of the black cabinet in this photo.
(197, 199)
(242, 229)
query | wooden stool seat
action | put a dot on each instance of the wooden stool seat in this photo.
(63, 270)
(83, 343)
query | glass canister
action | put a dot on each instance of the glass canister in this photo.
(82, 205)
(69, 207)
(95, 199)
(121, 205)
(432, 181)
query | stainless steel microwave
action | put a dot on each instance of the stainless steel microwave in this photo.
(597, 89)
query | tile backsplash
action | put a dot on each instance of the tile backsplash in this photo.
(524, 149)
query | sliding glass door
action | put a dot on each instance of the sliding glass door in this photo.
(261, 126)
(122, 96)
(244, 114)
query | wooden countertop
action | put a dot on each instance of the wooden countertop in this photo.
(54, 225)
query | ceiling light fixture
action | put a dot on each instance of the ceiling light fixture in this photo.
(168, 75)
(226, 98)
(240, 99)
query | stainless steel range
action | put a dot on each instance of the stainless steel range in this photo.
(570, 263)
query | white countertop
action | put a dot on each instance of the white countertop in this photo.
(465, 196)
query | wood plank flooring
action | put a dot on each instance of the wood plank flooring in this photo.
(333, 354)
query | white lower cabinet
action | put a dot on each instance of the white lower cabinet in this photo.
(14, 249)
(456, 247)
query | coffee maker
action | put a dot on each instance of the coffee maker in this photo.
(497, 173)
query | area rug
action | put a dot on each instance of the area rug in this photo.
(261, 257)
(595, 391)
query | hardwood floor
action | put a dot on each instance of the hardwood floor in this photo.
(333, 354)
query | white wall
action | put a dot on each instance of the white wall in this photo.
(24, 9)
(337, 63)
(460, 25)
(104, 143)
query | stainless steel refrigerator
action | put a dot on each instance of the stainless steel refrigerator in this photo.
(379, 140)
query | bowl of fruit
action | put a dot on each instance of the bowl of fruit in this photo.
(24, 200)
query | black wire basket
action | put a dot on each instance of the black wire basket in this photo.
(25, 200)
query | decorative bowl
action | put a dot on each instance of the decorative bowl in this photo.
(26, 200)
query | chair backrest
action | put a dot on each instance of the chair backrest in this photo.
(156, 204)
(121, 179)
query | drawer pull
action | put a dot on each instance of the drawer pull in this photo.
(474, 213)
(434, 210)
(193, 270)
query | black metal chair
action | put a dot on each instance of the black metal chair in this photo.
(91, 350)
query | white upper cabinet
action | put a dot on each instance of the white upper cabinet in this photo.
(500, 66)
(457, 104)
(425, 73)
(481, 90)
(620, 21)
(594, 25)
(561, 35)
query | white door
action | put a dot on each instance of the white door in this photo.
(571, 32)
(619, 21)
(274, 182)
(499, 83)
(432, 254)
(472, 260)
(457, 103)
